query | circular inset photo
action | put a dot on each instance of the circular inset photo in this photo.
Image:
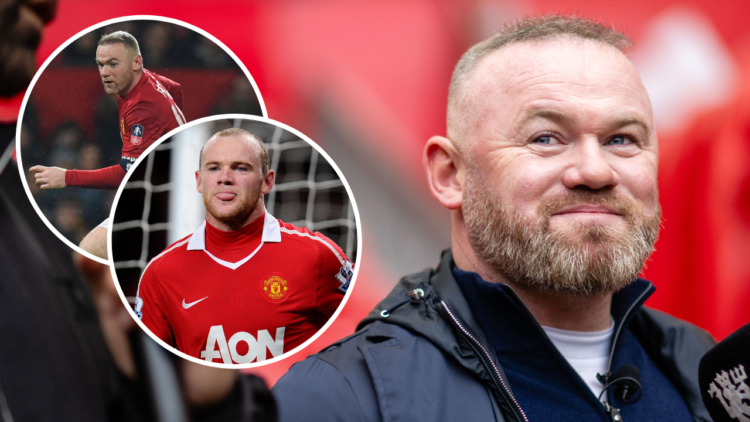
(234, 241)
(102, 99)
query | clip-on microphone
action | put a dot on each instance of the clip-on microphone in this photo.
(627, 380)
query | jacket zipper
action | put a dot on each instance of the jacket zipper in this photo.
(613, 412)
(619, 329)
(488, 358)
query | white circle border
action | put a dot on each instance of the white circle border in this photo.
(357, 260)
(54, 54)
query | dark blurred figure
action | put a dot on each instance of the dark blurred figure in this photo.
(241, 99)
(105, 131)
(79, 53)
(211, 55)
(157, 37)
(73, 212)
(68, 219)
(65, 141)
(92, 202)
(89, 158)
(21, 24)
(211, 394)
(30, 134)
(133, 27)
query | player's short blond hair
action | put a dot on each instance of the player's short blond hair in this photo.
(537, 28)
(124, 38)
(265, 163)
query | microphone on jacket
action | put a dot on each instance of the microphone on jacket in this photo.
(625, 383)
(628, 381)
(722, 376)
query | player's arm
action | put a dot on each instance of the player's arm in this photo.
(149, 305)
(106, 178)
(334, 275)
(58, 178)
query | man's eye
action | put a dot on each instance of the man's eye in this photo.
(619, 140)
(546, 140)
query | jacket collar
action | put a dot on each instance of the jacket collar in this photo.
(511, 327)
(440, 285)
(421, 316)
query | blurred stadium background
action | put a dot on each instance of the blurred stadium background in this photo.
(160, 204)
(369, 80)
(71, 123)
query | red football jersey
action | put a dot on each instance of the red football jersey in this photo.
(151, 109)
(280, 287)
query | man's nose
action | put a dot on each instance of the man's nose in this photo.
(589, 166)
(225, 176)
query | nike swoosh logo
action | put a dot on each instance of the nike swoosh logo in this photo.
(188, 305)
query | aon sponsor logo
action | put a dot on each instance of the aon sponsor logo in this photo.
(256, 348)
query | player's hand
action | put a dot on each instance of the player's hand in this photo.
(49, 177)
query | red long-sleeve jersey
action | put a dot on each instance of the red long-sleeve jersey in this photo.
(151, 109)
(244, 296)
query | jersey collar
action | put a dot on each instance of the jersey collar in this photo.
(271, 234)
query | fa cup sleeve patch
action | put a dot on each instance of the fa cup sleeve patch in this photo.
(138, 307)
(344, 276)
(137, 136)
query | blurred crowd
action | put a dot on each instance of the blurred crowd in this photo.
(164, 45)
(73, 211)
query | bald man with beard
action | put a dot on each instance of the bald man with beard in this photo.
(536, 311)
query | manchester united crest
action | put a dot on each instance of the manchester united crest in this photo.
(275, 287)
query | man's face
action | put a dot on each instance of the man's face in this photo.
(561, 161)
(230, 180)
(117, 68)
(21, 25)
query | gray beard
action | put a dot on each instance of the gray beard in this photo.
(595, 260)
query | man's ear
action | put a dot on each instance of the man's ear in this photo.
(138, 62)
(268, 182)
(198, 181)
(445, 171)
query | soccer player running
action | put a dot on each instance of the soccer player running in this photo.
(245, 287)
(148, 107)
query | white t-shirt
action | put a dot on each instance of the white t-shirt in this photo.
(586, 352)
